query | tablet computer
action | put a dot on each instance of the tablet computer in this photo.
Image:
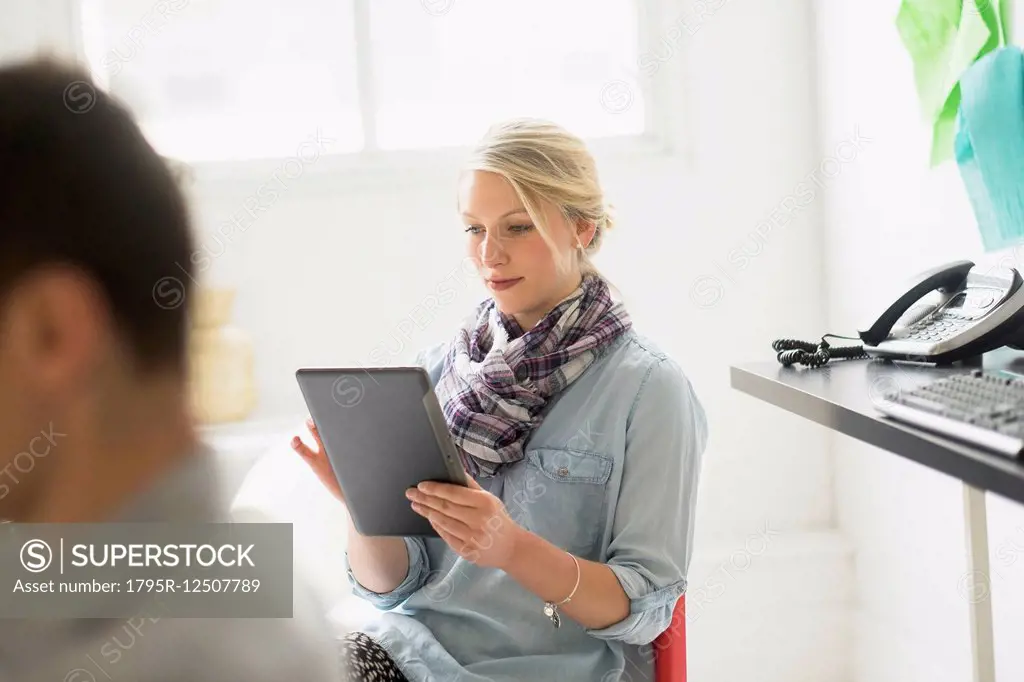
(384, 432)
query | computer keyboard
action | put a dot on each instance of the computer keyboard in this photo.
(984, 409)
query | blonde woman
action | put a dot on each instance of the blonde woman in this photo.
(583, 441)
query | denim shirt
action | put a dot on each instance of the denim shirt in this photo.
(611, 476)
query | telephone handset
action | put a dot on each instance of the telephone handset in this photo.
(948, 313)
(943, 279)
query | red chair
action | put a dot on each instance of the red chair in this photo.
(670, 648)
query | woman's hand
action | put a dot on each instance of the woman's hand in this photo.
(317, 460)
(471, 520)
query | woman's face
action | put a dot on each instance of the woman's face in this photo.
(518, 267)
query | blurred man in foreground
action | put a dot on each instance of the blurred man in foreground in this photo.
(95, 273)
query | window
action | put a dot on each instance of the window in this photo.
(214, 80)
(440, 80)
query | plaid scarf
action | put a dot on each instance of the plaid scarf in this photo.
(498, 380)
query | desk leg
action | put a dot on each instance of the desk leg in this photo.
(976, 586)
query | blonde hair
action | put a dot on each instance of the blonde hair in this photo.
(544, 162)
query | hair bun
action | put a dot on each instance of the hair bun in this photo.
(609, 222)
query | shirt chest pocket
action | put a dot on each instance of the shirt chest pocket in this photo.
(561, 495)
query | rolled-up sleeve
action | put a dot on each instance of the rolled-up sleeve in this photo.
(419, 569)
(652, 535)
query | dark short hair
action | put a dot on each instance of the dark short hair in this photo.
(81, 186)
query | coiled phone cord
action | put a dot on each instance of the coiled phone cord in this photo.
(793, 351)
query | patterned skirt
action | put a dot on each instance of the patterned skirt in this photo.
(363, 660)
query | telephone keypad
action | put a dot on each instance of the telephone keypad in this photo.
(937, 328)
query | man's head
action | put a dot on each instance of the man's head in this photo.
(94, 278)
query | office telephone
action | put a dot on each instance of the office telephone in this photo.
(947, 313)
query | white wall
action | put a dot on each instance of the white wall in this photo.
(715, 258)
(891, 217)
(25, 27)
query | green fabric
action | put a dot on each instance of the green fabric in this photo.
(944, 37)
(1006, 21)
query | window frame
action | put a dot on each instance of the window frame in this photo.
(663, 141)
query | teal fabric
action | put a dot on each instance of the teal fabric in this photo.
(611, 476)
(989, 145)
